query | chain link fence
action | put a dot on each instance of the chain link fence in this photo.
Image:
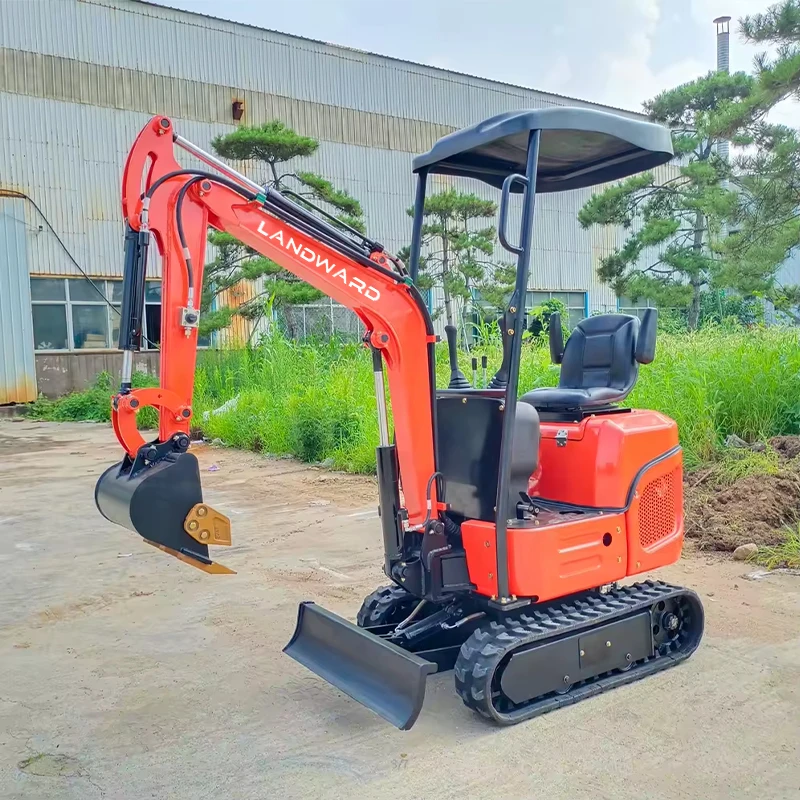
(321, 320)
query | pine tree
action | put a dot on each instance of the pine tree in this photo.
(457, 252)
(767, 174)
(766, 225)
(270, 148)
(672, 225)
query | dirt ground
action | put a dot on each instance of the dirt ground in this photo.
(754, 508)
(127, 675)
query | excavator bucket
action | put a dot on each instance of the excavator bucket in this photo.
(163, 503)
(378, 674)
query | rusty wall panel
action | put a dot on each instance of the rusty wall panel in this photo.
(240, 328)
(17, 369)
(56, 78)
(61, 373)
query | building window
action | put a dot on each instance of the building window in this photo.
(635, 308)
(152, 314)
(574, 301)
(74, 314)
(48, 296)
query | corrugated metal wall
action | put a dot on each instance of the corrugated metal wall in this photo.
(76, 187)
(71, 167)
(78, 79)
(17, 367)
(153, 39)
(789, 273)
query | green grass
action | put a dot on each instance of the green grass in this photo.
(93, 404)
(712, 383)
(786, 554)
(311, 400)
(719, 382)
(731, 465)
(316, 400)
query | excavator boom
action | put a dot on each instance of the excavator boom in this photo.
(156, 486)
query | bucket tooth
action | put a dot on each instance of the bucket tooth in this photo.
(378, 674)
(207, 525)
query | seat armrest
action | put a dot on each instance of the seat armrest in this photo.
(556, 338)
(646, 341)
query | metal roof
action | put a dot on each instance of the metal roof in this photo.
(372, 53)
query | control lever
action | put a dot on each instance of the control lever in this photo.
(500, 379)
(484, 359)
(474, 373)
(457, 378)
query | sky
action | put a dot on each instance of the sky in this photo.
(615, 52)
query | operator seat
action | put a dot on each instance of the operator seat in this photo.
(600, 363)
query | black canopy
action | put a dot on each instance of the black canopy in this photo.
(578, 147)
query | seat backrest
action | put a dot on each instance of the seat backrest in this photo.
(601, 352)
(470, 431)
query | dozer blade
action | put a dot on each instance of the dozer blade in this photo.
(162, 503)
(378, 674)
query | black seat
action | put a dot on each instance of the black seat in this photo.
(600, 362)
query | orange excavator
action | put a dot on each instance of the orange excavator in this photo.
(508, 521)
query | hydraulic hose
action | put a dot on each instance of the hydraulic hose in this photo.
(187, 258)
(197, 176)
(200, 174)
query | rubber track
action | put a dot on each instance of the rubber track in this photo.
(385, 605)
(487, 647)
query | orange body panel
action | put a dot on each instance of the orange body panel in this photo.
(626, 463)
(602, 455)
(562, 557)
(479, 540)
(655, 517)
(557, 557)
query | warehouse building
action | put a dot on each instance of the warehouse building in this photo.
(79, 78)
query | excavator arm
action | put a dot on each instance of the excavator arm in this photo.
(156, 490)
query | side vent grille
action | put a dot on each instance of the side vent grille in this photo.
(657, 511)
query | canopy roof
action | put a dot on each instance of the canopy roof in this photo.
(578, 147)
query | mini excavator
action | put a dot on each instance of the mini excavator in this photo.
(508, 522)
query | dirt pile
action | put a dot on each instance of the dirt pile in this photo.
(753, 508)
(788, 447)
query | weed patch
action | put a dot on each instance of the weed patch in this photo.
(94, 403)
(785, 553)
(315, 400)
